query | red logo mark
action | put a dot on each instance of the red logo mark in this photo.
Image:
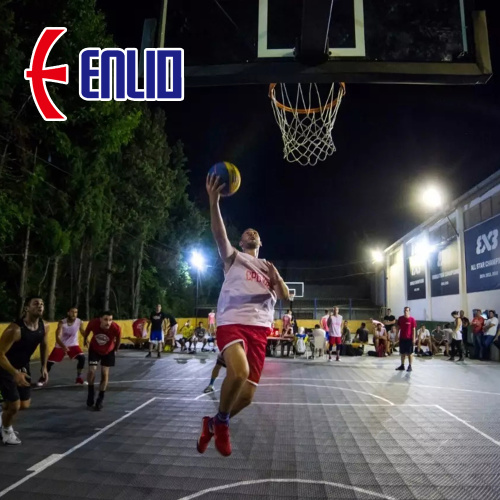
(38, 74)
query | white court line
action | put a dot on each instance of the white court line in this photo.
(60, 386)
(71, 450)
(45, 462)
(489, 438)
(310, 385)
(287, 480)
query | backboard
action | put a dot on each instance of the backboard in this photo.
(229, 42)
(297, 287)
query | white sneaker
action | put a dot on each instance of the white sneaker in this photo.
(208, 389)
(10, 436)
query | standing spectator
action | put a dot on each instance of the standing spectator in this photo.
(477, 332)
(389, 320)
(157, 335)
(465, 333)
(407, 331)
(324, 321)
(456, 338)
(490, 333)
(211, 321)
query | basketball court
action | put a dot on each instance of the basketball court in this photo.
(355, 429)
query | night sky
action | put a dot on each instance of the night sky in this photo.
(390, 140)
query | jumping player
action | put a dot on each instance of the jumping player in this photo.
(103, 346)
(245, 312)
(17, 344)
(67, 343)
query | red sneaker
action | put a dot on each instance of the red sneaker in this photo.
(79, 380)
(222, 441)
(205, 435)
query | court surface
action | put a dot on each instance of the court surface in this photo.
(317, 430)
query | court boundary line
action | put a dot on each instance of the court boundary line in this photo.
(287, 480)
(310, 385)
(74, 448)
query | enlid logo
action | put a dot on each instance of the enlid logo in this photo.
(116, 73)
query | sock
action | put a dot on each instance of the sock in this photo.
(7, 429)
(222, 418)
(49, 366)
(101, 395)
(91, 391)
(212, 380)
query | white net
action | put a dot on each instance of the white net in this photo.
(306, 120)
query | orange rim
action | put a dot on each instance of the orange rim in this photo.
(303, 111)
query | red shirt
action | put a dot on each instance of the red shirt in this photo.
(275, 332)
(477, 325)
(406, 326)
(138, 327)
(103, 341)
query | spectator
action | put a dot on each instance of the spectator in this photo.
(287, 338)
(380, 338)
(465, 333)
(300, 342)
(286, 321)
(489, 334)
(319, 336)
(424, 339)
(273, 340)
(346, 334)
(200, 335)
(393, 339)
(456, 338)
(477, 332)
(439, 339)
(389, 320)
(362, 334)
(324, 321)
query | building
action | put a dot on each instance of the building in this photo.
(451, 261)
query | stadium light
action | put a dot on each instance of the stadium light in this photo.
(432, 197)
(377, 256)
(198, 261)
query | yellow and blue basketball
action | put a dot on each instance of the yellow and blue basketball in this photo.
(229, 175)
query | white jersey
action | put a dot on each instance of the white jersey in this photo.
(457, 335)
(335, 326)
(69, 334)
(246, 297)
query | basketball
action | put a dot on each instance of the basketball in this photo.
(229, 175)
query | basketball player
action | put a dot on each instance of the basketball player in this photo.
(245, 312)
(324, 321)
(17, 344)
(335, 333)
(211, 321)
(103, 346)
(67, 343)
(407, 332)
(157, 324)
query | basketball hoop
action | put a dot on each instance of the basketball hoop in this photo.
(291, 295)
(306, 121)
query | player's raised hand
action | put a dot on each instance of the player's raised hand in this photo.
(214, 187)
(272, 272)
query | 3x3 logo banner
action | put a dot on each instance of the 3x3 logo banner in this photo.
(116, 74)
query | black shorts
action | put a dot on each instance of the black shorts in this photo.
(12, 392)
(405, 346)
(105, 359)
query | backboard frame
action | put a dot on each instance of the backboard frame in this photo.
(297, 287)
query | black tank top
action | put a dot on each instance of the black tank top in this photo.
(21, 351)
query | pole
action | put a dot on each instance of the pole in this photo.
(162, 24)
(196, 300)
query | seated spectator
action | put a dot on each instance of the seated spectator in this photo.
(393, 339)
(362, 334)
(438, 338)
(380, 338)
(187, 335)
(319, 336)
(300, 341)
(200, 335)
(424, 339)
(489, 333)
(286, 340)
(211, 339)
(346, 333)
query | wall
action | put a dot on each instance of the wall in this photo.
(442, 307)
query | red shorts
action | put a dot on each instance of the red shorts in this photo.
(57, 354)
(335, 340)
(254, 340)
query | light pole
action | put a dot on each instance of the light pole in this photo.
(198, 262)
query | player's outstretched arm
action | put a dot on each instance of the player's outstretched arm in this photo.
(214, 188)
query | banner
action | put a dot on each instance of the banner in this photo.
(415, 275)
(445, 271)
(482, 256)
